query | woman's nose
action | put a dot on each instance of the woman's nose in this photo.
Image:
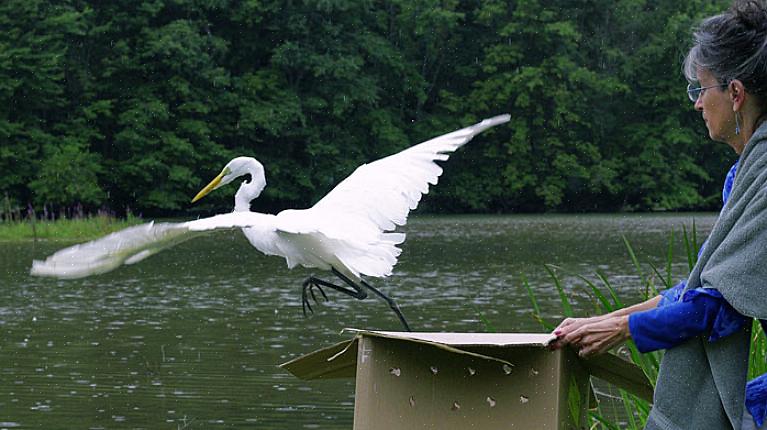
(699, 103)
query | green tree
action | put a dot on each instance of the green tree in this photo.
(68, 174)
(144, 101)
(668, 162)
(161, 76)
(32, 87)
(539, 68)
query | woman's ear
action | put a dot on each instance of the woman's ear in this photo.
(737, 94)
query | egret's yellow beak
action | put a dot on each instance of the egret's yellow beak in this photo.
(210, 187)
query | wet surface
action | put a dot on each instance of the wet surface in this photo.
(191, 337)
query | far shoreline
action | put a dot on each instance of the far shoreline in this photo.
(65, 229)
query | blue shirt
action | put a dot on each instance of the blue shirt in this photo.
(680, 317)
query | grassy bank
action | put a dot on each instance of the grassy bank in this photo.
(76, 229)
(605, 299)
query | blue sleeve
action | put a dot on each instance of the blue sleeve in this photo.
(672, 294)
(756, 398)
(699, 311)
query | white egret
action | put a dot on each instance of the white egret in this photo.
(351, 231)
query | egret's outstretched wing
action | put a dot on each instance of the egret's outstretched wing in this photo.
(383, 192)
(363, 210)
(134, 244)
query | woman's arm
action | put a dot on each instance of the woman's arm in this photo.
(653, 328)
(639, 307)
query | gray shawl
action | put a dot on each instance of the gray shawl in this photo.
(701, 384)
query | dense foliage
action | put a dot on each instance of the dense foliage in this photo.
(117, 104)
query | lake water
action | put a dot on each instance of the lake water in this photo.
(191, 338)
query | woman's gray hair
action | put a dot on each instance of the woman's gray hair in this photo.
(733, 45)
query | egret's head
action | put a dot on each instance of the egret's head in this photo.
(239, 166)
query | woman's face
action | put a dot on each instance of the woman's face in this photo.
(716, 107)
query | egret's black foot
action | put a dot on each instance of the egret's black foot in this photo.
(308, 289)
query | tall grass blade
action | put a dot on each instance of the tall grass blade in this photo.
(669, 259)
(630, 410)
(606, 305)
(605, 423)
(695, 240)
(692, 246)
(536, 309)
(617, 303)
(489, 326)
(665, 280)
(566, 306)
(757, 363)
(635, 262)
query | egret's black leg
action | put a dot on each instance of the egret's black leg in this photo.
(313, 282)
(355, 291)
(392, 304)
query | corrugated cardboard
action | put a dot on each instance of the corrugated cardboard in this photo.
(466, 380)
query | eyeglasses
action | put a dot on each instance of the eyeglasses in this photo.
(694, 93)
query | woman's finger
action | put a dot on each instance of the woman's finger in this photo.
(564, 324)
(586, 349)
(575, 336)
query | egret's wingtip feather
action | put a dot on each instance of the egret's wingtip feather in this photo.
(36, 269)
(129, 245)
(383, 192)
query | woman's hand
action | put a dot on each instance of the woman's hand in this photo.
(570, 325)
(591, 336)
(595, 335)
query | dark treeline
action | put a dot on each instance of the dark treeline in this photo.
(138, 103)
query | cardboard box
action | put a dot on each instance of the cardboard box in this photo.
(466, 380)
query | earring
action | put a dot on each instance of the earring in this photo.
(737, 123)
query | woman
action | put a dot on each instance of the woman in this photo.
(704, 323)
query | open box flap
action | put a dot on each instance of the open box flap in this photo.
(336, 361)
(340, 360)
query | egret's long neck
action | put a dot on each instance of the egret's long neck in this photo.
(249, 190)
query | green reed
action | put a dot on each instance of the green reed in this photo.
(605, 299)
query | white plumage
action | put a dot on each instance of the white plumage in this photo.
(349, 230)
